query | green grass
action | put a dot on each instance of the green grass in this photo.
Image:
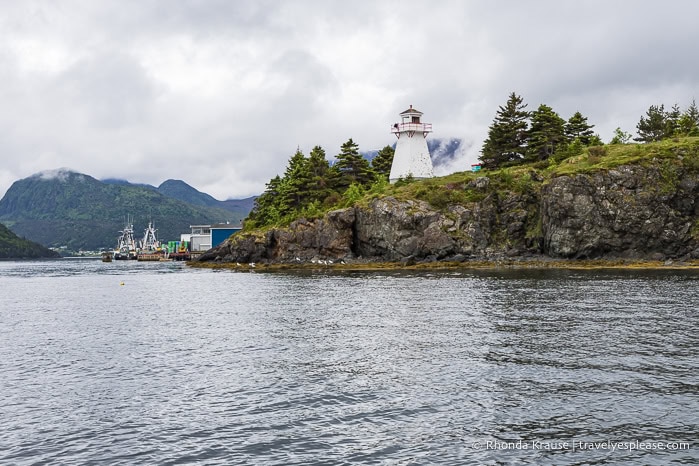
(684, 151)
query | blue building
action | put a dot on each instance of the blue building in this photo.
(205, 237)
(220, 232)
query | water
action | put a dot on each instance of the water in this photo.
(156, 363)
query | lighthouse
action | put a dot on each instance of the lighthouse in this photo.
(412, 157)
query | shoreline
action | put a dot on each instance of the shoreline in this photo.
(564, 264)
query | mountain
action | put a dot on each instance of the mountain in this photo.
(65, 208)
(443, 152)
(121, 182)
(242, 205)
(178, 189)
(14, 247)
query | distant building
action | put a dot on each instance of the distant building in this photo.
(220, 232)
(205, 237)
(412, 157)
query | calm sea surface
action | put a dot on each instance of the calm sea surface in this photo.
(156, 363)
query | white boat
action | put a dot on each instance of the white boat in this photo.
(126, 244)
(150, 246)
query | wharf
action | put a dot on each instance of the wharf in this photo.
(185, 256)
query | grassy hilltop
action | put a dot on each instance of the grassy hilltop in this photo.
(670, 156)
(617, 202)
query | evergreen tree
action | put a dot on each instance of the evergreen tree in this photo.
(578, 128)
(653, 126)
(689, 121)
(595, 140)
(319, 184)
(268, 205)
(672, 121)
(546, 134)
(296, 180)
(352, 167)
(507, 135)
(383, 161)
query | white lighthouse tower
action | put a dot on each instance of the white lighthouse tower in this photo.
(412, 157)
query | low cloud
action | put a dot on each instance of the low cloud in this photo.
(220, 94)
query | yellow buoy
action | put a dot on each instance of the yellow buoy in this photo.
(122, 283)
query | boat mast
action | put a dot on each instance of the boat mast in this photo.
(150, 242)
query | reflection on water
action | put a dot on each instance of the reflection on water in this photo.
(142, 363)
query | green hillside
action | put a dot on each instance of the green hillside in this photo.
(64, 208)
(178, 189)
(14, 247)
(670, 156)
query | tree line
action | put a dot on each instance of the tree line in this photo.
(519, 136)
(658, 124)
(311, 185)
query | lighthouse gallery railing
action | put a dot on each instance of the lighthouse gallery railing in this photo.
(417, 127)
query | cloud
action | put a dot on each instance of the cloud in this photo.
(220, 93)
(60, 174)
(109, 91)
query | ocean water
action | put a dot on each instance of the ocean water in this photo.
(156, 363)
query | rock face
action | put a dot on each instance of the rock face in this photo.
(329, 237)
(629, 212)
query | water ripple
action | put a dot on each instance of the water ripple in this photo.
(158, 364)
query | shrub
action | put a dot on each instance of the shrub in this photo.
(353, 194)
(523, 183)
(404, 181)
(595, 154)
(571, 150)
(506, 177)
(312, 210)
(379, 186)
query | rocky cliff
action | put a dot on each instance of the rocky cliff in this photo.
(642, 210)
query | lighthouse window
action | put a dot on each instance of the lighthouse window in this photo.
(416, 119)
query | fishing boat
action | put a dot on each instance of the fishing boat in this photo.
(126, 244)
(150, 249)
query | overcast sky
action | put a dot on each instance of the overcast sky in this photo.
(220, 93)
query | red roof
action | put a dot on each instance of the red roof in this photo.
(412, 111)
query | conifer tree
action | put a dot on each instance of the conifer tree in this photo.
(672, 121)
(319, 181)
(352, 167)
(546, 134)
(689, 120)
(268, 205)
(507, 135)
(652, 127)
(577, 128)
(296, 179)
(383, 161)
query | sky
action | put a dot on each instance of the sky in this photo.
(221, 93)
